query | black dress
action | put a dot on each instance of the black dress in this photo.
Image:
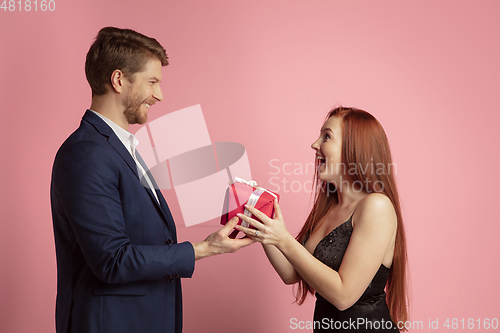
(370, 313)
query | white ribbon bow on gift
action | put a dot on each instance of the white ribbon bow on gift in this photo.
(252, 183)
(254, 197)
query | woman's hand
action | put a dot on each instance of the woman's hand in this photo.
(270, 231)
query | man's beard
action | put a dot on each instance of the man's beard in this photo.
(133, 113)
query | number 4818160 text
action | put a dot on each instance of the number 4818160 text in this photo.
(28, 5)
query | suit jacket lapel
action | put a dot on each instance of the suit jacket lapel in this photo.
(113, 140)
(150, 175)
(163, 203)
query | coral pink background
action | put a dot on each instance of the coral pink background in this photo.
(265, 74)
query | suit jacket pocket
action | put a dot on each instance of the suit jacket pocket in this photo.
(132, 288)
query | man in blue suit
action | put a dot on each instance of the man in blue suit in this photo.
(118, 260)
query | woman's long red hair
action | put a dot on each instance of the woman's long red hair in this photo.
(365, 144)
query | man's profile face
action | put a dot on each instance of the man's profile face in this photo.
(143, 91)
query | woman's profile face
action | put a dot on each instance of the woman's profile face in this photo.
(328, 149)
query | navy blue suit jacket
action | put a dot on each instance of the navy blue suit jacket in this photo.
(118, 261)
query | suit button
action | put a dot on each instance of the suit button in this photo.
(168, 241)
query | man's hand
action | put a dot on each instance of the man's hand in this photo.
(219, 242)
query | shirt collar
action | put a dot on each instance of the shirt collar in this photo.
(128, 139)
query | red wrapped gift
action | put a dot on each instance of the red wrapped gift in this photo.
(243, 192)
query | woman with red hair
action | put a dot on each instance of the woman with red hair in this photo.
(351, 249)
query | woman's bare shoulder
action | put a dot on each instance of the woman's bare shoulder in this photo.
(375, 209)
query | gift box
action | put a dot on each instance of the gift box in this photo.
(242, 192)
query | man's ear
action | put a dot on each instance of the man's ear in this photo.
(117, 80)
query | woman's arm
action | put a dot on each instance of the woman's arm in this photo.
(281, 264)
(373, 234)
